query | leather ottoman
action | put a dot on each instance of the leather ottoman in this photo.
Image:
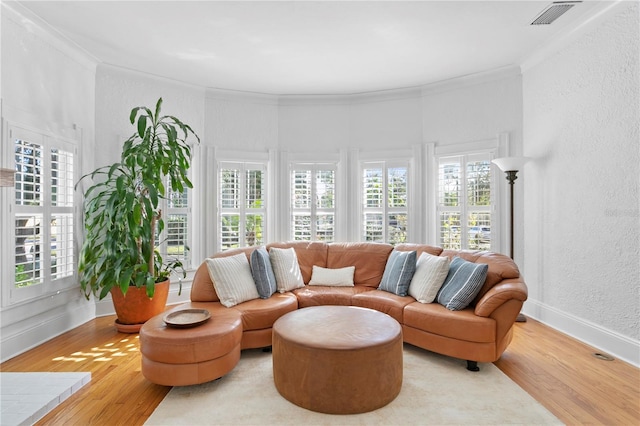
(189, 356)
(337, 359)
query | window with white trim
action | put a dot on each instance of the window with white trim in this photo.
(174, 241)
(464, 201)
(242, 207)
(313, 202)
(43, 213)
(384, 203)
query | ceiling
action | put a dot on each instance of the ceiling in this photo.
(309, 47)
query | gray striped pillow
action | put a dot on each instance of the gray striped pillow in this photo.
(263, 273)
(398, 272)
(464, 281)
(232, 279)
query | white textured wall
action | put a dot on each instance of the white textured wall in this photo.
(582, 235)
(461, 113)
(119, 91)
(368, 122)
(43, 77)
(47, 85)
(247, 123)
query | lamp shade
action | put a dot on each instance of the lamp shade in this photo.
(510, 164)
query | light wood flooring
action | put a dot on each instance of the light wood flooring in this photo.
(558, 371)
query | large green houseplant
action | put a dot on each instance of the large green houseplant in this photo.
(121, 208)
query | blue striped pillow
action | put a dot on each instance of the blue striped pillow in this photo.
(401, 265)
(263, 273)
(464, 281)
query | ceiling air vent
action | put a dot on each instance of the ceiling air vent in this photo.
(553, 12)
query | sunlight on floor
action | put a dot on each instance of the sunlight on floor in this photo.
(102, 354)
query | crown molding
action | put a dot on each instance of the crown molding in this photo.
(149, 76)
(241, 96)
(33, 24)
(471, 79)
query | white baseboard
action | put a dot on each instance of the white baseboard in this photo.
(46, 326)
(604, 340)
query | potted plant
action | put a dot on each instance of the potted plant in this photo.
(122, 217)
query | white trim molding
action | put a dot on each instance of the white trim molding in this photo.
(614, 344)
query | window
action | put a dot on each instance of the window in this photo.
(384, 190)
(174, 240)
(242, 205)
(43, 214)
(464, 202)
(313, 205)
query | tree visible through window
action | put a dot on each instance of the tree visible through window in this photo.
(313, 202)
(464, 202)
(384, 190)
(44, 211)
(242, 207)
(174, 241)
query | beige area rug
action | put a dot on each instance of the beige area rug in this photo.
(436, 390)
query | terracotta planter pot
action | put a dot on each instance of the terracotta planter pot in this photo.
(135, 308)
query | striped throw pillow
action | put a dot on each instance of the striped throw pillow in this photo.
(464, 281)
(232, 279)
(263, 273)
(286, 268)
(431, 271)
(398, 272)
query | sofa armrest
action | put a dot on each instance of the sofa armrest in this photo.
(499, 294)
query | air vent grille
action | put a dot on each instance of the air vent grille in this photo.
(553, 12)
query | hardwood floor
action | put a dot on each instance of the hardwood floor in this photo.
(558, 371)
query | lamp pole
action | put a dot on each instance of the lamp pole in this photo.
(512, 175)
(511, 165)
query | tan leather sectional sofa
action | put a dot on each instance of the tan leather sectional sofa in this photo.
(479, 333)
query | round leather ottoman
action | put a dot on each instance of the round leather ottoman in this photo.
(189, 356)
(337, 359)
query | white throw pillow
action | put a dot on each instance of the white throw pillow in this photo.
(286, 269)
(232, 279)
(340, 277)
(431, 271)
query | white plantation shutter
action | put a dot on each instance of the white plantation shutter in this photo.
(43, 214)
(242, 204)
(385, 204)
(176, 237)
(313, 202)
(464, 201)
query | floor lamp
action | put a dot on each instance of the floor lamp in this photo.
(511, 166)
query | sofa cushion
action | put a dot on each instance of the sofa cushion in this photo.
(320, 295)
(285, 268)
(262, 272)
(309, 253)
(419, 248)
(462, 284)
(369, 260)
(232, 279)
(383, 301)
(260, 314)
(398, 272)
(339, 277)
(462, 325)
(430, 274)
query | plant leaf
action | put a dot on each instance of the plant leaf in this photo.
(142, 125)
